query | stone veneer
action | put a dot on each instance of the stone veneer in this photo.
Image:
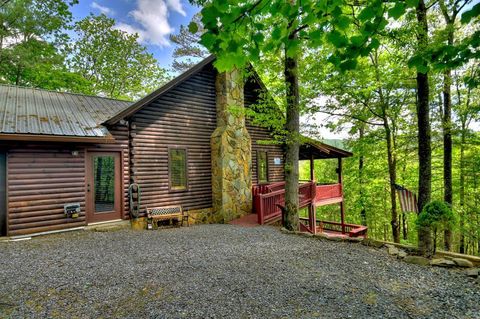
(231, 151)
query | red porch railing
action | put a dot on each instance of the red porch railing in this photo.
(268, 198)
(328, 191)
(266, 206)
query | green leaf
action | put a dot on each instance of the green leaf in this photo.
(375, 43)
(193, 27)
(315, 38)
(276, 33)
(411, 3)
(224, 62)
(397, 11)
(221, 6)
(232, 46)
(337, 39)
(357, 40)
(208, 39)
(293, 48)
(334, 59)
(342, 22)
(209, 16)
(366, 14)
(419, 63)
(337, 12)
(258, 38)
(348, 65)
(254, 54)
(467, 16)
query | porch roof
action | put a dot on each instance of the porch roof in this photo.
(320, 150)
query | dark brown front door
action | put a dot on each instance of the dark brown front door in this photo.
(103, 187)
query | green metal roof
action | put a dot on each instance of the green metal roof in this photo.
(41, 112)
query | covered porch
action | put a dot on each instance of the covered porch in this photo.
(269, 199)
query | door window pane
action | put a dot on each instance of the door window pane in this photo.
(104, 183)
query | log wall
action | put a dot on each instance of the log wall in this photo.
(258, 134)
(42, 178)
(40, 181)
(186, 117)
(183, 117)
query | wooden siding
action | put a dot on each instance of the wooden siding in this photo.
(40, 181)
(185, 116)
(276, 173)
(41, 178)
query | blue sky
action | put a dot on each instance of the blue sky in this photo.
(153, 20)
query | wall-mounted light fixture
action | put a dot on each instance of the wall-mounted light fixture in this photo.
(74, 153)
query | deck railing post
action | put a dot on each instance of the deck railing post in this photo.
(261, 210)
(340, 181)
(313, 208)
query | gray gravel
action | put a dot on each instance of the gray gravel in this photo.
(221, 271)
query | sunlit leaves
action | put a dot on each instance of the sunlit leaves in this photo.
(193, 27)
(337, 39)
(342, 22)
(411, 3)
(252, 28)
(397, 10)
(419, 62)
(468, 15)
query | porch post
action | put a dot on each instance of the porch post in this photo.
(312, 208)
(312, 167)
(340, 181)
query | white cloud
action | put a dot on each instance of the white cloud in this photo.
(152, 18)
(176, 6)
(131, 30)
(102, 9)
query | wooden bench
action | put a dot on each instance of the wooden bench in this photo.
(173, 213)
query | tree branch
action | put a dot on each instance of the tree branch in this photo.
(350, 116)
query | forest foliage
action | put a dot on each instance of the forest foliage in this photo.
(42, 46)
(400, 76)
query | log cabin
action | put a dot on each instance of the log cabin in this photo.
(69, 160)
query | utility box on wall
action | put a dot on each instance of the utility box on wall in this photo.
(72, 210)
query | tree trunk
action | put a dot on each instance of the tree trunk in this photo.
(447, 134)
(462, 188)
(363, 212)
(292, 141)
(424, 132)
(404, 226)
(391, 157)
(392, 172)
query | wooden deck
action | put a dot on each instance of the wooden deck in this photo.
(269, 199)
(249, 220)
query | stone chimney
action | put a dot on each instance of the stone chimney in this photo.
(231, 151)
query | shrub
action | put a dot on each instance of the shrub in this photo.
(436, 215)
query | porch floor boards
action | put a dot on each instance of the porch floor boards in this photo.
(249, 220)
(334, 234)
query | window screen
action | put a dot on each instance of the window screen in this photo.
(104, 183)
(178, 169)
(262, 166)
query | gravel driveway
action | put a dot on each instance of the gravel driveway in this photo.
(221, 271)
